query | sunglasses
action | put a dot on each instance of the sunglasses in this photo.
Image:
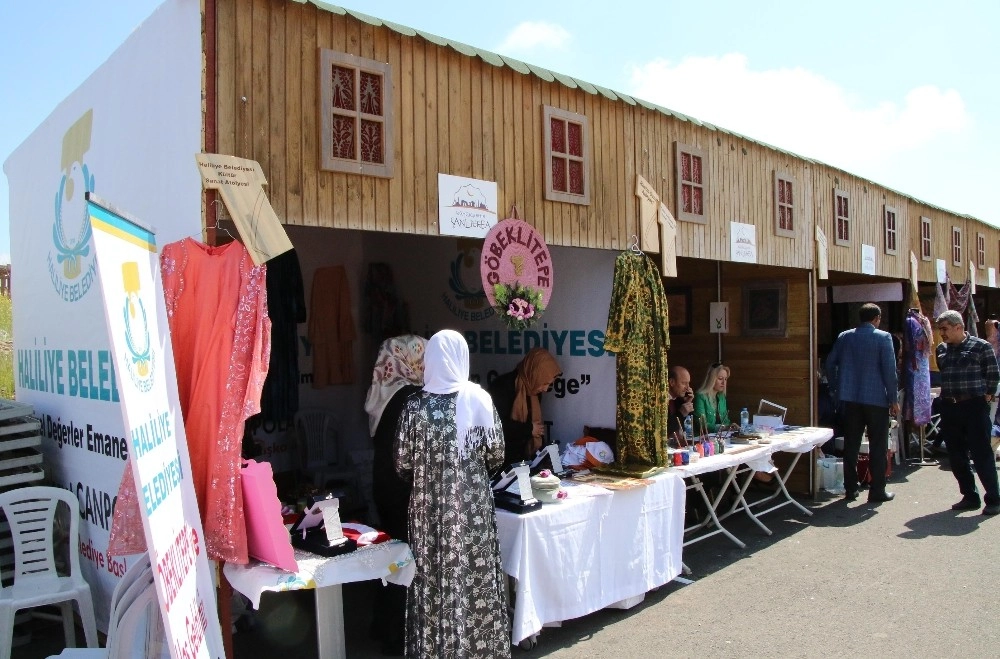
(717, 364)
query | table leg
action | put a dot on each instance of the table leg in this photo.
(695, 484)
(782, 491)
(330, 622)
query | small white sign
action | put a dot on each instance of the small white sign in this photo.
(972, 276)
(718, 314)
(822, 251)
(466, 206)
(942, 271)
(991, 277)
(743, 242)
(867, 259)
(668, 242)
(913, 272)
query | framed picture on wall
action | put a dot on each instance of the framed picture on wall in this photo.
(765, 305)
(679, 308)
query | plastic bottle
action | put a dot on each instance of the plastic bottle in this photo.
(744, 419)
(688, 426)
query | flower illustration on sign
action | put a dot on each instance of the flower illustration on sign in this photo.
(517, 273)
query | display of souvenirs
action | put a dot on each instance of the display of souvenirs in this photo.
(546, 487)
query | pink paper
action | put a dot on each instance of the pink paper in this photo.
(267, 537)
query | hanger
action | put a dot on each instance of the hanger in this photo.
(218, 227)
(634, 246)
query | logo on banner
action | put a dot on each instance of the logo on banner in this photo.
(463, 300)
(137, 341)
(72, 267)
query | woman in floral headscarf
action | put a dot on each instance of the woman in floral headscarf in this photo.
(399, 372)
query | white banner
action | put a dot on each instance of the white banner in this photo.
(129, 278)
(466, 206)
(98, 139)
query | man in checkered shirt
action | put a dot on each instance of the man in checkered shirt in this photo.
(969, 379)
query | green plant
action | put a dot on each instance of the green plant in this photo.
(517, 305)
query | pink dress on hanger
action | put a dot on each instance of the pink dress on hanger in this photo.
(221, 336)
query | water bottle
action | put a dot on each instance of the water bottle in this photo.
(744, 420)
(688, 426)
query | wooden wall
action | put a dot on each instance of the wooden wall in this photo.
(458, 114)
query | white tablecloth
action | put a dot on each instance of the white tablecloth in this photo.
(596, 548)
(391, 561)
(801, 440)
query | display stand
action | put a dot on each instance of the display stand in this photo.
(924, 462)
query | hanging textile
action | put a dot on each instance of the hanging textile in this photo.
(972, 319)
(638, 332)
(216, 303)
(917, 338)
(386, 314)
(958, 298)
(286, 307)
(331, 328)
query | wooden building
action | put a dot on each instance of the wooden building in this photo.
(352, 118)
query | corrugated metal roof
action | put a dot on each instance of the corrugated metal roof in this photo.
(574, 83)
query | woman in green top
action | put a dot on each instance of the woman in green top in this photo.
(710, 400)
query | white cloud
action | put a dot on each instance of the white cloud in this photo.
(532, 36)
(801, 111)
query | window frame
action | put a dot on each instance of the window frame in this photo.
(980, 250)
(679, 150)
(926, 239)
(550, 112)
(890, 230)
(328, 162)
(956, 245)
(779, 178)
(838, 218)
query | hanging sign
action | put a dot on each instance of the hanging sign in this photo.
(466, 206)
(867, 259)
(649, 202)
(913, 272)
(942, 271)
(517, 272)
(129, 276)
(972, 276)
(743, 242)
(718, 317)
(822, 249)
(991, 277)
(241, 183)
(668, 242)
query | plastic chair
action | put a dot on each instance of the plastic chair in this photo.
(31, 515)
(317, 437)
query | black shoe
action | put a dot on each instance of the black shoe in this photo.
(880, 497)
(967, 503)
(851, 495)
(992, 509)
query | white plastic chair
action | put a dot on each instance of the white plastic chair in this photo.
(317, 437)
(31, 515)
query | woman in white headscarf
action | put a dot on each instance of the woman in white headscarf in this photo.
(449, 438)
(398, 373)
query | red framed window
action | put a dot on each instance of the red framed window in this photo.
(841, 217)
(784, 206)
(889, 217)
(925, 239)
(980, 251)
(691, 172)
(356, 114)
(956, 246)
(567, 153)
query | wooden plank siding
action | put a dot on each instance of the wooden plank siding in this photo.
(461, 115)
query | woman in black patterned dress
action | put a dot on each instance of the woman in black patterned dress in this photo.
(449, 437)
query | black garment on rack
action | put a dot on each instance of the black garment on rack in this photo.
(286, 307)
(386, 314)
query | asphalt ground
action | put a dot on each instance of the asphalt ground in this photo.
(907, 578)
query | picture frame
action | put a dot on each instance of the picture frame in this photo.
(679, 308)
(765, 309)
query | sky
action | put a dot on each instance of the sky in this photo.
(903, 93)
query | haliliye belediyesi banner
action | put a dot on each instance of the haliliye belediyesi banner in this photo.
(129, 277)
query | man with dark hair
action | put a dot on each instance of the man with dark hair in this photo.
(681, 403)
(861, 370)
(969, 379)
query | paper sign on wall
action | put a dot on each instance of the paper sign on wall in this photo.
(668, 242)
(913, 271)
(743, 242)
(822, 249)
(649, 203)
(241, 183)
(718, 317)
(867, 259)
(991, 277)
(942, 271)
(466, 206)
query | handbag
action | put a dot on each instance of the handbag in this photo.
(865, 470)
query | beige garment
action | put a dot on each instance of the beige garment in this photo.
(331, 328)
